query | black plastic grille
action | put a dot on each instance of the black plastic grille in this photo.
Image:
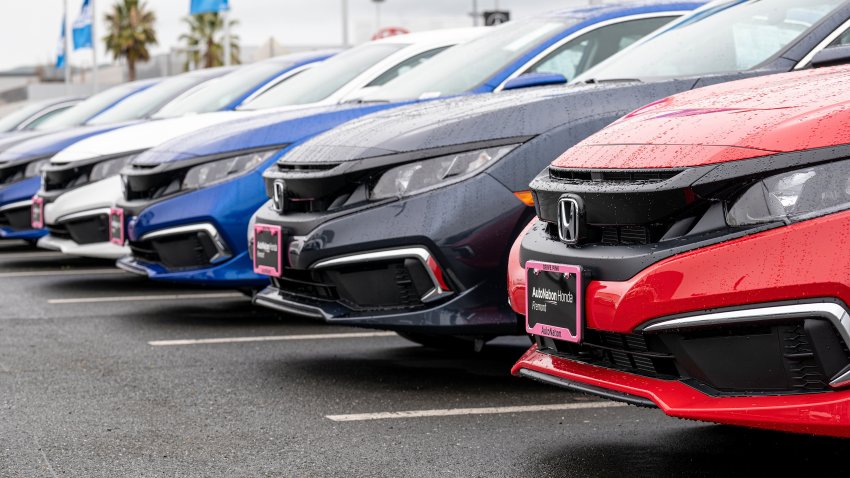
(18, 218)
(384, 285)
(89, 230)
(180, 251)
(623, 176)
(625, 352)
(59, 231)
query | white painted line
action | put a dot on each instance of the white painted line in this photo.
(450, 412)
(148, 298)
(64, 272)
(270, 338)
(31, 255)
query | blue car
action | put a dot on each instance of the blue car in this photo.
(188, 202)
(217, 89)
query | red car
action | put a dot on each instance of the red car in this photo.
(693, 256)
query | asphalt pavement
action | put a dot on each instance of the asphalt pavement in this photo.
(106, 374)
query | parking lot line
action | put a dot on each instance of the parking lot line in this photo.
(270, 338)
(31, 255)
(63, 272)
(450, 412)
(147, 298)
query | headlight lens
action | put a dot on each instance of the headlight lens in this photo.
(33, 169)
(794, 196)
(223, 169)
(111, 167)
(421, 176)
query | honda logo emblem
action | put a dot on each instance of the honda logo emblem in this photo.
(568, 220)
(278, 190)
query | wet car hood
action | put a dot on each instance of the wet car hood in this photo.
(739, 120)
(477, 119)
(51, 143)
(265, 130)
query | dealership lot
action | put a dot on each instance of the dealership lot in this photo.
(104, 374)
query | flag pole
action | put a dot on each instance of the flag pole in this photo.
(67, 41)
(93, 45)
(345, 23)
(225, 15)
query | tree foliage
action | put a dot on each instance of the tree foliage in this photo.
(130, 32)
(205, 40)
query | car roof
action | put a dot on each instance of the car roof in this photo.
(615, 8)
(441, 35)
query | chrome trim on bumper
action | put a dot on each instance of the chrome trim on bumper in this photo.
(830, 311)
(222, 251)
(83, 214)
(268, 297)
(16, 205)
(420, 253)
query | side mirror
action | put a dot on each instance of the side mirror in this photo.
(832, 56)
(530, 80)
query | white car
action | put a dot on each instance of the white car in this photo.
(78, 218)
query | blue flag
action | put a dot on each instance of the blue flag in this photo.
(60, 49)
(204, 6)
(82, 28)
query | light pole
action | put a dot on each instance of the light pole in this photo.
(345, 23)
(475, 15)
(378, 14)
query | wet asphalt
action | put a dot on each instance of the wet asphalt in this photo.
(83, 392)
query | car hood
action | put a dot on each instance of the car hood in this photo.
(469, 120)
(263, 130)
(51, 143)
(739, 120)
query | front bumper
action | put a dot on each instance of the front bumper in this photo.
(345, 267)
(732, 332)
(99, 250)
(228, 274)
(15, 210)
(821, 414)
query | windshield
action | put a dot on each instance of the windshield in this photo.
(466, 66)
(15, 118)
(732, 37)
(85, 110)
(143, 104)
(222, 92)
(324, 79)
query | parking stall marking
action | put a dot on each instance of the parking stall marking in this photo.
(450, 412)
(147, 298)
(62, 272)
(270, 338)
(31, 255)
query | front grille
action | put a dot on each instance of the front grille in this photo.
(59, 231)
(62, 179)
(799, 356)
(632, 353)
(18, 218)
(88, 230)
(625, 235)
(620, 176)
(178, 251)
(379, 286)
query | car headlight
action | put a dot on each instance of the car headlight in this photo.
(110, 167)
(413, 178)
(217, 171)
(793, 196)
(33, 169)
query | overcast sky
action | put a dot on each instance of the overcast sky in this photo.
(29, 29)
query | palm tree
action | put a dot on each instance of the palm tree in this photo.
(131, 31)
(205, 40)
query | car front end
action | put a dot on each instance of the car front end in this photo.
(186, 203)
(688, 258)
